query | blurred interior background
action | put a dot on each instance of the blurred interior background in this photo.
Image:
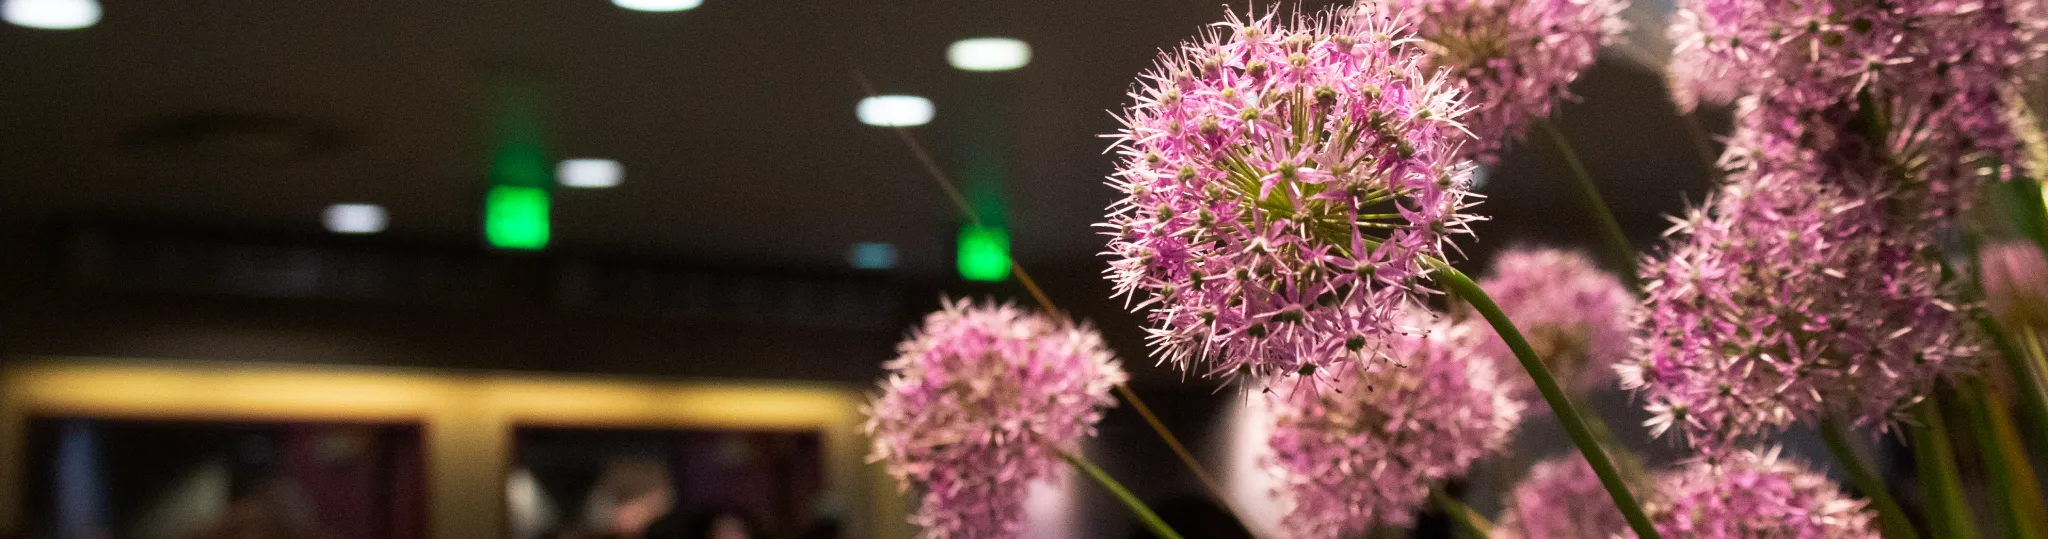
(578, 268)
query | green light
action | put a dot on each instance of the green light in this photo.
(984, 253)
(516, 217)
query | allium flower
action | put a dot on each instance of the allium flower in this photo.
(1911, 84)
(1751, 495)
(978, 403)
(1518, 57)
(1365, 448)
(1575, 315)
(1284, 182)
(1784, 300)
(2015, 279)
(1561, 498)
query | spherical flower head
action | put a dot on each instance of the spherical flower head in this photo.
(978, 403)
(2015, 280)
(1574, 315)
(1285, 182)
(1752, 495)
(1783, 301)
(1365, 449)
(1517, 57)
(1917, 84)
(1561, 498)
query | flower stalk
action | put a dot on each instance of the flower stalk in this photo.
(1948, 512)
(1618, 246)
(1467, 522)
(1145, 515)
(2006, 469)
(1890, 516)
(1546, 384)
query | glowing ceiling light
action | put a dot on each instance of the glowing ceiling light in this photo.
(988, 54)
(894, 111)
(589, 173)
(872, 256)
(51, 14)
(658, 5)
(354, 218)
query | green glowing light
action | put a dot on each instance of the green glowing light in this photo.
(984, 253)
(516, 217)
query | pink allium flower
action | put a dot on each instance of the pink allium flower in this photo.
(1518, 57)
(1284, 181)
(977, 405)
(2015, 279)
(1914, 85)
(1561, 498)
(1575, 315)
(1785, 299)
(1365, 448)
(1751, 495)
(2032, 16)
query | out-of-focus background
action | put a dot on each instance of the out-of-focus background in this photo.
(579, 268)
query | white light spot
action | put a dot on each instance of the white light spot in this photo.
(1480, 175)
(588, 173)
(52, 14)
(872, 256)
(1248, 425)
(658, 5)
(988, 54)
(894, 111)
(354, 218)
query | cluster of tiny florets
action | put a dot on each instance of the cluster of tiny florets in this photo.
(1752, 495)
(1917, 85)
(1782, 301)
(1365, 448)
(1810, 285)
(1575, 315)
(978, 403)
(1518, 58)
(1285, 182)
(1561, 498)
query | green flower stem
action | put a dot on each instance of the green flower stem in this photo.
(2023, 362)
(1567, 413)
(1145, 515)
(2005, 462)
(1890, 517)
(1948, 512)
(1186, 459)
(1610, 229)
(1468, 522)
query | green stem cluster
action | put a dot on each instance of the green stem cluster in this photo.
(1890, 517)
(1947, 510)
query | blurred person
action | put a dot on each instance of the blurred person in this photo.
(631, 495)
(269, 508)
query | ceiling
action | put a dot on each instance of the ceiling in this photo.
(734, 122)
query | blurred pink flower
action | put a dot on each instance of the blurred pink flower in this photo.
(978, 403)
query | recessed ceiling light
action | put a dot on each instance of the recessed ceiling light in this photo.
(589, 173)
(894, 111)
(658, 5)
(988, 54)
(51, 14)
(354, 218)
(872, 256)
